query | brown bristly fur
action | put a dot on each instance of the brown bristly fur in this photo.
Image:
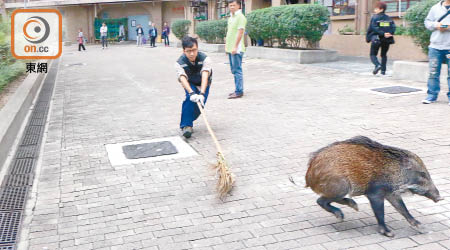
(356, 164)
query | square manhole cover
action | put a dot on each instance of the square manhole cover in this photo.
(145, 150)
(160, 149)
(395, 90)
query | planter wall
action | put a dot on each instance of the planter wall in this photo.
(293, 56)
(415, 71)
(214, 48)
(355, 45)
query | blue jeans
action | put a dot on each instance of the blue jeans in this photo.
(437, 58)
(189, 110)
(104, 41)
(236, 70)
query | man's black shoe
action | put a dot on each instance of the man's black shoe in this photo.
(377, 69)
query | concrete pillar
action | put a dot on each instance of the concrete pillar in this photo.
(3, 11)
(189, 15)
(362, 18)
(276, 3)
(90, 34)
(212, 10)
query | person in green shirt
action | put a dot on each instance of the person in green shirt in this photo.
(234, 46)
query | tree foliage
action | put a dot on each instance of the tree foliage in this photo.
(415, 17)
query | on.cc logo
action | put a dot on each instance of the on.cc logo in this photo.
(36, 29)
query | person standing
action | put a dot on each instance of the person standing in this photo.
(235, 47)
(438, 21)
(81, 40)
(104, 35)
(195, 75)
(153, 33)
(165, 34)
(381, 35)
(139, 35)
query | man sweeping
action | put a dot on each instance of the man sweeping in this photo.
(195, 74)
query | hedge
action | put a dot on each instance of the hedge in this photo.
(10, 68)
(213, 31)
(415, 17)
(289, 25)
(180, 28)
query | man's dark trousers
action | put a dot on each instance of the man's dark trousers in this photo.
(190, 111)
(374, 48)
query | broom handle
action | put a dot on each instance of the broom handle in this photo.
(219, 148)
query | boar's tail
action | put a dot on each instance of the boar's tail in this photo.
(293, 182)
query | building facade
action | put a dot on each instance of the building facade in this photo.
(349, 15)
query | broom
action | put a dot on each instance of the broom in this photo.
(226, 178)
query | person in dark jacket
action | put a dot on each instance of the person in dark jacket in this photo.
(381, 35)
(194, 72)
(165, 34)
(153, 33)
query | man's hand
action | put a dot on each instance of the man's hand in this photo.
(441, 27)
(234, 51)
(387, 35)
(197, 98)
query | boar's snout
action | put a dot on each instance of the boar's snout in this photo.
(434, 196)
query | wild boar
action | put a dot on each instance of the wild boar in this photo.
(361, 166)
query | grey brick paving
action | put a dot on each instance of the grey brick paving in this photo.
(127, 94)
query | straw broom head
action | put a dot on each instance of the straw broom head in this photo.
(226, 178)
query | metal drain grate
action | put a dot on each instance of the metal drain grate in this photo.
(35, 130)
(42, 104)
(38, 115)
(15, 186)
(146, 150)
(395, 90)
(9, 226)
(7, 247)
(12, 198)
(29, 151)
(22, 166)
(30, 139)
(18, 180)
(37, 122)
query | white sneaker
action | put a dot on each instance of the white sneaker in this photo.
(449, 104)
(427, 101)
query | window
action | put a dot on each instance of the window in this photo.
(200, 9)
(396, 5)
(223, 11)
(343, 7)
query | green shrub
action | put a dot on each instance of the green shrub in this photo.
(401, 31)
(213, 31)
(346, 29)
(289, 25)
(416, 16)
(9, 73)
(180, 28)
(10, 68)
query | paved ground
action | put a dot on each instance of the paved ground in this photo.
(127, 93)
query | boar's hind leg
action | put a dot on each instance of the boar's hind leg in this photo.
(399, 205)
(325, 204)
(349, 202)
(376, 198)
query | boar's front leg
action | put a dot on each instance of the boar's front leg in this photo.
(376, 196)
(397, 202)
